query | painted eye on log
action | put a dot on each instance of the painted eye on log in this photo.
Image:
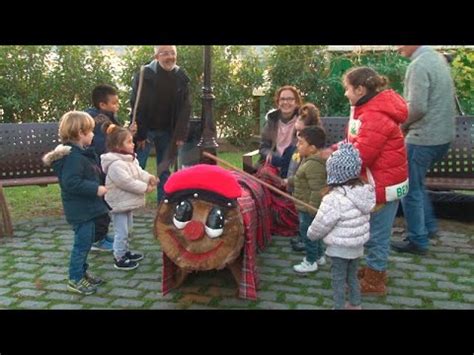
(183, 214)
(215, 223)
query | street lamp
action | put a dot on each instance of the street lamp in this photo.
(208, 137)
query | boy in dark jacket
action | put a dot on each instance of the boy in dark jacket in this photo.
(106, 105)
(82, 191)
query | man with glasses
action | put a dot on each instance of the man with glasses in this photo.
(163, 111)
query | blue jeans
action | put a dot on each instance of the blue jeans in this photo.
(84, 234)
(123, 224)
(417, 206)
(378, 246)
(345, 271)
(161, 141)
(314, 248)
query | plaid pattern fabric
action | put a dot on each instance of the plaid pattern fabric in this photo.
(168, 272)
(261, 217)
(283, 211)
(249, 276)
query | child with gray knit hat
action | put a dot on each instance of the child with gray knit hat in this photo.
(342, 222)
(343, 165)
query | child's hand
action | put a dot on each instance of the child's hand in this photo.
(284, 182)
(153, 181)
(150, 188)
(101, 191)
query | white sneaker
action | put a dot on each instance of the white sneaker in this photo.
(321, 261)
(305, 266)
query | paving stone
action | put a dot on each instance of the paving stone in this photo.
(308, 306)
(54, 255)
(413, 267)
(455, 271)
(412, 302)
(22, 275)
(26, 266)
(96, 300)
(54, 277)
(371, 305)
(125, 303)
(468, 297)
(452, 286)
(235, 303)
(300, 298)
(22, 253)
(272, 305)
(452, 305)
(273, 278)
(469, 280)
(5, 282)
(33, 304)
(67, 306)
(431, 294)
(62, 296)
(284, 288)
(267, 295)
(6, 301)
(29, 293)
(306, 281)
(429, 276)
(149, 285)
(164, 305)
(56, 286)
(411, 283)
(125, 292)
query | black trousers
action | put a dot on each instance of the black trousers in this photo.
(101, 227)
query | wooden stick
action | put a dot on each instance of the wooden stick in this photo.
(273, 188)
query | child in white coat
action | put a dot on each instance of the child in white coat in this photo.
(343, 221)
(126, 184)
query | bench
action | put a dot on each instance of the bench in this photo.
(454, 172)
(22, 145)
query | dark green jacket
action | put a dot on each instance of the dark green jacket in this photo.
(309, 180)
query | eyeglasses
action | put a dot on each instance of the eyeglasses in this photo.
(289, 99)
(167, 53)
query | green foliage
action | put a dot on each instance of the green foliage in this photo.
(41, 83)
(318, 73)
(463, 74)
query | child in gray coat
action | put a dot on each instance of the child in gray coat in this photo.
(342, 222)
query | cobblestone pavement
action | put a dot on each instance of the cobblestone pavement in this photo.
(34, 263)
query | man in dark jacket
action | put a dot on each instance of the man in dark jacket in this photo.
(163, 111)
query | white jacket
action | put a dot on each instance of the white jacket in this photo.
(125, 180)
(343, 221)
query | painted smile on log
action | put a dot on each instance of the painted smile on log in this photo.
(190, 255)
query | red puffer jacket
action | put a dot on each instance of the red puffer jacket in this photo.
(374, 128)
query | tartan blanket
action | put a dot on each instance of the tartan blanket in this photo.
(283, 210)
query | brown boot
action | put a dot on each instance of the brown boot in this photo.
(372, 284)
(361, 273)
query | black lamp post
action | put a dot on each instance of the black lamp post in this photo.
(208, 137)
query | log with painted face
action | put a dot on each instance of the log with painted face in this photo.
(199, 224)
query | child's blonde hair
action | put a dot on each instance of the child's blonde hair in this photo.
(74, 122)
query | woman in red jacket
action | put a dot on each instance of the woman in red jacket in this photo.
(374, 129)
